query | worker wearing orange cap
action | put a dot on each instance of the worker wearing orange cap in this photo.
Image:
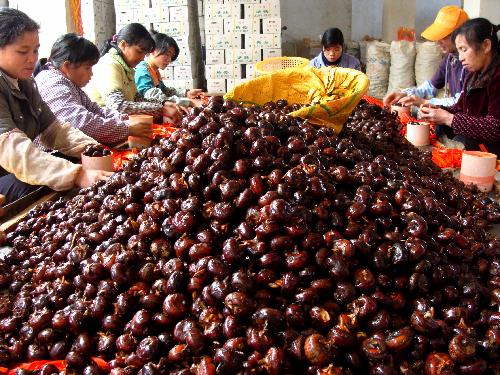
(450, 75)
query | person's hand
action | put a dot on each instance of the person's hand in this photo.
(173, 111)
(141, 130)
(408, 101)
(86, 178)
(196, 102)
(393, 97)
(195, 94)
(436, 115)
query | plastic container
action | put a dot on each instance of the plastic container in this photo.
(273, 64)
(139, 142)
(478, 168)
(417, 133)
(400, 109)
(104, 163)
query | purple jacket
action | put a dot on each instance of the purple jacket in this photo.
(477, 112)
(451, 75)
(346, 61)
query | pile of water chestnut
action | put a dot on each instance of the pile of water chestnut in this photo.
(251, 242)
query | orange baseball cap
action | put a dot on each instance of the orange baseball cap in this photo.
(447, 20)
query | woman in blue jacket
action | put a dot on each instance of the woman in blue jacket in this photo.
(332, 53)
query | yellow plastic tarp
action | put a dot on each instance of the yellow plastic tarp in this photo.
(329, 93)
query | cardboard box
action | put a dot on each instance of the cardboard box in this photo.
(125, 17)
(179, 13)
(264, 10)
(183, 72)
(184, 58)
(241, 26)
(263, 41)
(242, 1)
(216, 86)
(214, 26)
(271, 25)
(270, 52)
(168, 3)
(230, 83)
(175, 29)
(167, 73)
(215, 57)
(222, 41)
(218, 11)
(250, 71)
(241, 56)
(222, 71)
(180, 85)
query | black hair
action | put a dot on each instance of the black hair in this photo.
(72, 48)
(134, 34)
(476, 31)
(13, 23)
(164, 42)
(332, 37)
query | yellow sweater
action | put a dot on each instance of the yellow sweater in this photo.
(111, 74)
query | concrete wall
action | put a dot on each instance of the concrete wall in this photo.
(426, 12)
(309, 19)
(397, 13)
(489, 9)
(98, 18)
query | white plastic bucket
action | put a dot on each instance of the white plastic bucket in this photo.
(478, 168)
(104, 163)
(139, 142)
(400, 109)
(418, 133)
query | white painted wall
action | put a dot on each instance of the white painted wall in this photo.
(53, 22)
(489, 9)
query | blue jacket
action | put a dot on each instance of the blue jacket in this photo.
(346, 61)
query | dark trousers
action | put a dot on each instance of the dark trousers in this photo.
(14, 189)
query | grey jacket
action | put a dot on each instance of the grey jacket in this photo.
(23, 109)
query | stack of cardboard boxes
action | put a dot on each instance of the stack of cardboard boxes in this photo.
(178, 19)
(239, 33)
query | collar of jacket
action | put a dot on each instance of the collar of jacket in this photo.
(26, 86)
(482, 79)
(117, 56)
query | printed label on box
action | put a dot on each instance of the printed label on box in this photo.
(125, 17)
(271, 52)
(175, 28)
(222, 71)
(241, 56)
(167, 73)
(182, 72)
(217, 11)
(241, 26)
(216, 86)
(271, 25)
(223, 41)
(178, 13)
(214, 26)
(215, 57)
(242, 1)
(263, 41)
(262, 10)
(168, 3)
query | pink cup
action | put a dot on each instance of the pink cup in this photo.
(103, 163)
